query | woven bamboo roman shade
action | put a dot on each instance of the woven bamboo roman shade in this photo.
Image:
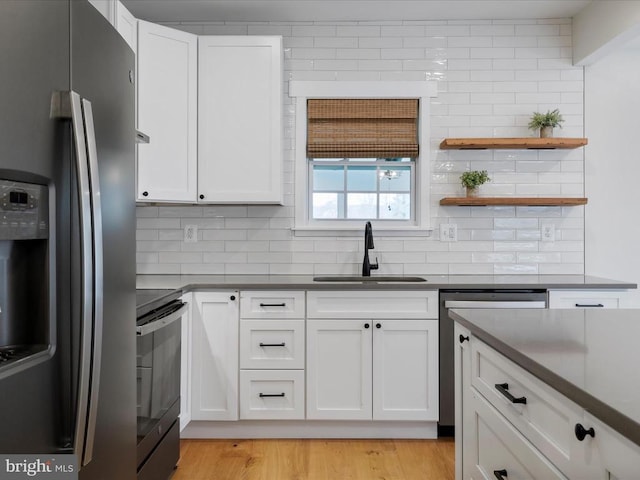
(362, 128)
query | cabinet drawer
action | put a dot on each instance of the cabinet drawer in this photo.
(272, 344)
(281, 304)
(500, 451)
(373, 304)
(546, 417)
(271, 394)
(585, 298)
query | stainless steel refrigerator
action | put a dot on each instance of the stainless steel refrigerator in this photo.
(67, 237)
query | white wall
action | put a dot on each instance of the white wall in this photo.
(491, 76)
(612, 103)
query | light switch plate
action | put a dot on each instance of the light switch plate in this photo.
(448, 232)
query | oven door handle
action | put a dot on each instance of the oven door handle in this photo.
(151, 327)
(494, 304)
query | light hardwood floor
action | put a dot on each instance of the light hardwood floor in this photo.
(316, 460)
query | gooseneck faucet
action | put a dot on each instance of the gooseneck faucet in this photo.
(368, 244)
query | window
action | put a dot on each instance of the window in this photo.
(362, 189)
(358, 156)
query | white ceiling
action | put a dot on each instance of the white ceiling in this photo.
(348, 10)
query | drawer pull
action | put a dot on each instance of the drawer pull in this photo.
(500, 474)
(462, 338)
(272, 344)
(589, 305)
(582, 432)
(267, 395)
(273, 304)
(503, 388)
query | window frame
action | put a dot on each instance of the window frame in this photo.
(301, 91)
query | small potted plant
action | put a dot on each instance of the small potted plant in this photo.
(546, 122)
(473, 179)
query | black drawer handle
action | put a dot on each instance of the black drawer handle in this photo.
(267, 395)
(582, 432)
(589, 305)
(503, 388)
(462, 338)
(366, 325)
(272, 344)
(273, 304)
(501, 474)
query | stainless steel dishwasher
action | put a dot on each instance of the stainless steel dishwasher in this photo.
(471, 298)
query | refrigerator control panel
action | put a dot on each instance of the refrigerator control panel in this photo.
(24, 211)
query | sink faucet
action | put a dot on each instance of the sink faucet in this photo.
(368, 244)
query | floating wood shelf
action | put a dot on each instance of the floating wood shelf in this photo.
(514, 201)
(511, 143)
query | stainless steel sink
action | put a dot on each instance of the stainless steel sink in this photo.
(372, 279)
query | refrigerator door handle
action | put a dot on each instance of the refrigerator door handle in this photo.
(68, 105)
(98, 278)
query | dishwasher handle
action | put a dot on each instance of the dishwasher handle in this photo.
(494, 304)
(161, 322)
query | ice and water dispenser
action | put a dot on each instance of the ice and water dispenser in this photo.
(25, 323)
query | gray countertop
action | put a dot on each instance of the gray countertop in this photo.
(590, 356)
(305, 282)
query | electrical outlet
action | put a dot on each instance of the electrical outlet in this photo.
(453, 232)
(191, 233)
(448, 232)
(548, 232)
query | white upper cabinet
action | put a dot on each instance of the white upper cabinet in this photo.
(240, 119)
(167, 112)
(127, 26)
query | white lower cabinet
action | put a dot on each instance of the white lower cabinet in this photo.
(272, 394)
(339, 369)
(272, 355)
(586, 298)
(186, 362)
(215, 356)
(371, 368)
(511, 425)
(499, 449)
(610, 455)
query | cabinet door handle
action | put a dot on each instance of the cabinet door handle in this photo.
(589, 305)
(503, 388)
(500, 474)
(267, 395)
(201, 197)
(378, 325)
(366, 325)
(273, 304)
(272, 344)
(462, 338)
(582, 432)
(232, 297)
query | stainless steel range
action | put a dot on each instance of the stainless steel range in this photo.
(158, 332)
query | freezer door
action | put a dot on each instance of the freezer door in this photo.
(34, 54)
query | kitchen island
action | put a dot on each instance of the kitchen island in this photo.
(555, 392)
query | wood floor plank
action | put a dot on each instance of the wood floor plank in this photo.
(317, 459)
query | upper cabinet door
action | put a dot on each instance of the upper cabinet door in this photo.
(240, 119)
(127, 26)
(167, 112)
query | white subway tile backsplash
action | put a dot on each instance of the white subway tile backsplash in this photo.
(491, 76)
